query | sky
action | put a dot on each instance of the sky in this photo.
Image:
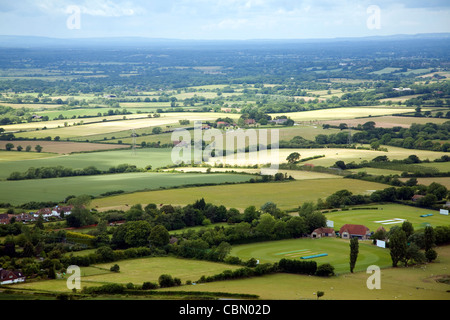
(222, 19)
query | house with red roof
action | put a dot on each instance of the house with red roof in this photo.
(10, 277)
(323, 232)
(348, 231)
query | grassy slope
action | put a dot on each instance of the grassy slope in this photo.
(285, 194)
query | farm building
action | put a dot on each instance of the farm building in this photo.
(9, 277)
(22, 217)
(53, 212)
(360, 231)
(323, 232)
(417, 197)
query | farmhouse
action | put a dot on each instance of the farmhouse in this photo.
(323, 232)
(359, 231)
(9, 277)
(53, 212)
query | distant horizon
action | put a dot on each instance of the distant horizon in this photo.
(396, 35)
(223, 19)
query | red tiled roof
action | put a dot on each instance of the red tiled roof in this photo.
(324, 230)
(354, 229)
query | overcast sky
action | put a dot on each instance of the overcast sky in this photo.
(222, 19)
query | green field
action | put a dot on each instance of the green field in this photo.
(412, 283)
(101, 160)
(385, 213)
(56, 189)
(136, 271)
(14, 156)
(286, 195)
(337, 249)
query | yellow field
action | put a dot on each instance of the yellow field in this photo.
(345, 113)
(296, 174)
(331, 156)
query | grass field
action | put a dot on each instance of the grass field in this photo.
(375, 218)
(14, 156)
(135, 271)
(286, 195)
(56, 189)
(412, 283)
(337, 249)
(101, 160)
(64, 147)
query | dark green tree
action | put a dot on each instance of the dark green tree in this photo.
(397, 246)
(354, 250)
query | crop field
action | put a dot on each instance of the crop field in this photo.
(286, 195)
(337, 251)
(412, 283)
(388, 121)
(388, 216)
(296, 174)
(345, 113)
(331, 155)
(445, 181)
(88, 129)
(56, 189)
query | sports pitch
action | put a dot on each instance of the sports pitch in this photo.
(337, 250)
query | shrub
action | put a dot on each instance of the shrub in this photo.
(325, 270)
(166, 280)
(115, 268)
(149, 286)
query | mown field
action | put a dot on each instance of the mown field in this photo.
(56, 189)
(337, 249)
(136, 271)
(412, 283)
